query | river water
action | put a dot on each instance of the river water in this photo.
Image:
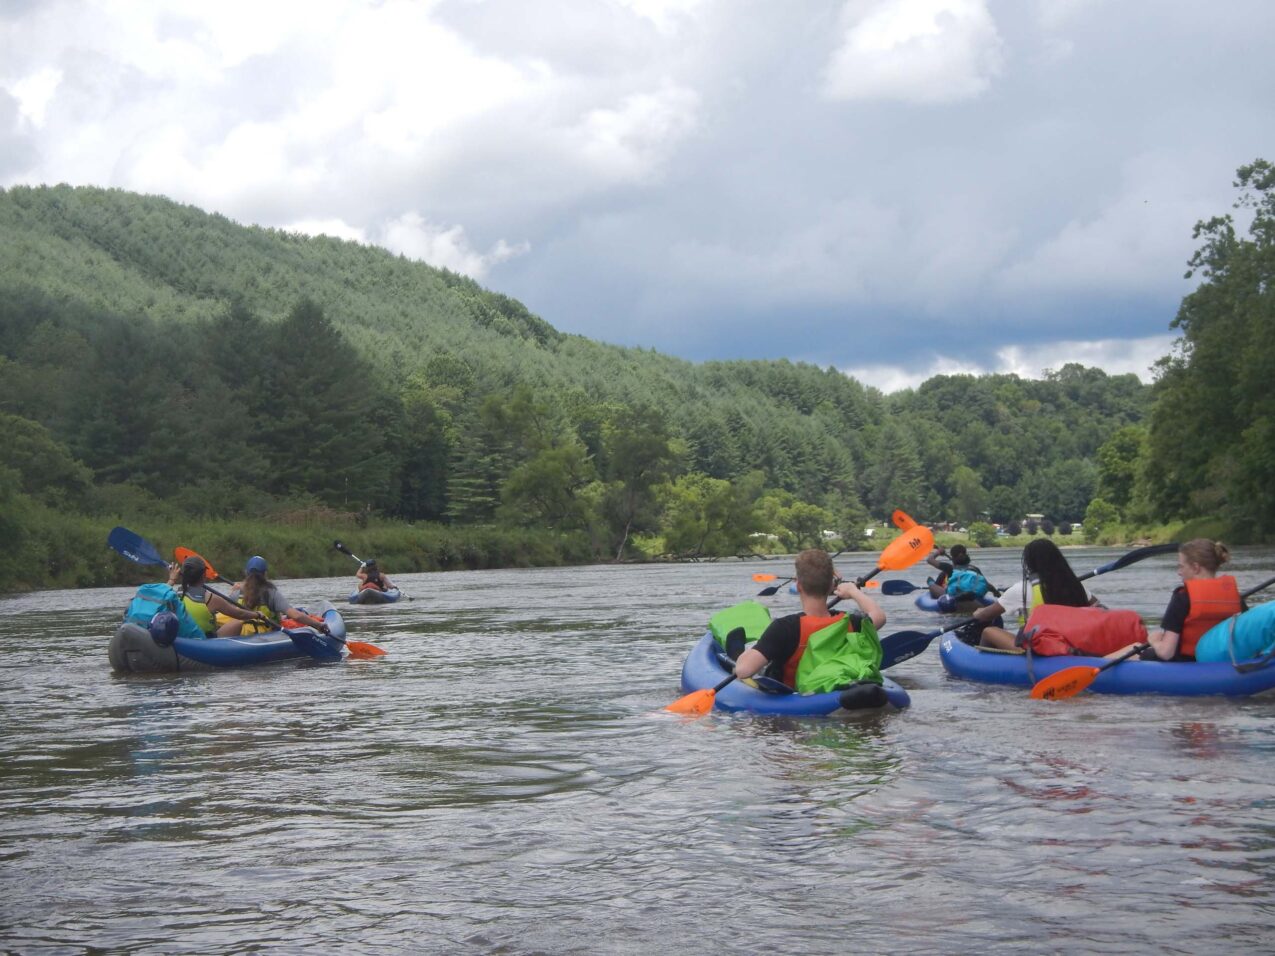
(505, 782)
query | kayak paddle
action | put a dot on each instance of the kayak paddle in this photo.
(181, 554)
(698, 702)
(1070, 681)
(134, 547)
(896, 586)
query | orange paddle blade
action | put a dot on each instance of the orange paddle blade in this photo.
(364, 650)
(181, 554)
(907, 549)
(695, 704)
(902, 521)
(763, 577)
(1065, 683)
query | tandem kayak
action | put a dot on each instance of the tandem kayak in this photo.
(134, 651)
(704, 668)
(375, 596)
(1173, 678)
(946, 604)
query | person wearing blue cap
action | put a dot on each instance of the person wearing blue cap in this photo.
(259, 593)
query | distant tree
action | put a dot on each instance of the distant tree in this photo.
(1100, 514)
(1006, 503)
(1119, 461)
(805, 523)
(638, 454)
(43, 467)
(969, 498)
(982, 534)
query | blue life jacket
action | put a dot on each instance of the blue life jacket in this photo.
(967, 580)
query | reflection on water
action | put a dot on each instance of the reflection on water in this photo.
(505, 781)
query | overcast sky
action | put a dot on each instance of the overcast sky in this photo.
(893, 187)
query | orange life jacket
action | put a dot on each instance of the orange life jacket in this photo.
(1212, 600)
(809, 625)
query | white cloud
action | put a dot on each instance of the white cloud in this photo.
(630, 141)
(1114, 356)
(917, 51)
(336, 228)
(445, 246)
(33, 93)
(665, 14)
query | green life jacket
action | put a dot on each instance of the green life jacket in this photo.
(836, 656)
(754, 618)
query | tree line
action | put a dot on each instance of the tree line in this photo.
(159, 362)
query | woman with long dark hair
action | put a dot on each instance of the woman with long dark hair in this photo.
(1047, 579)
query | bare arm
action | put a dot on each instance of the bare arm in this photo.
(847, 590)
(299, 615)
(751, 662)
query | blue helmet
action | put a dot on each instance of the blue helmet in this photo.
(255, 563)
(163, 628)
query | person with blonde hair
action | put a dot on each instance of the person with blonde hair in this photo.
(1203, 599)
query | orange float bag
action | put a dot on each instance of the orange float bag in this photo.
(1055, 629)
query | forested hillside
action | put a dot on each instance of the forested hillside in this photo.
(158, 361)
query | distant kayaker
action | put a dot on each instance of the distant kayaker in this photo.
(1056, 583)
(938, 586)
(1203, 599)
(371, 576)
(959, 577)
(816, 651)
(258, 592)
(215, 616)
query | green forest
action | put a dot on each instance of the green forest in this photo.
(244, 388)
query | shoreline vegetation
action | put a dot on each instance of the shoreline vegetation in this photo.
(75, 555)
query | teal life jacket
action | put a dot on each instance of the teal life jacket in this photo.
(967, 579)
(150, 599)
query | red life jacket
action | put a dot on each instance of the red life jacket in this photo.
(1212, 600)
(809, 625)
(1093, 631)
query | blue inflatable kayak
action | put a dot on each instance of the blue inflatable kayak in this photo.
(134, 651)
(374, 596)
(1185, 679)
(704, 668)
(946, 604)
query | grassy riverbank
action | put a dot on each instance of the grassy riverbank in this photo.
(66, 551)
